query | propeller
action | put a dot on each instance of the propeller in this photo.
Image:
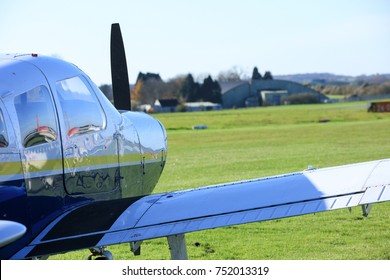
(119, 74)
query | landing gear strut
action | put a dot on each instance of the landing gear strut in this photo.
(178, 247)
(100, 253)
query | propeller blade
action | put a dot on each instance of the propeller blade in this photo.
(119, 74)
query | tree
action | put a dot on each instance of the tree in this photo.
(210, 91)
(216, 95)
(189, 89)
(146, 91)
(148, 76)
(302, 98)
(256, 75)
(233, 74)
(268, 76)
(136, 93)
(174, 86)
(107, 90)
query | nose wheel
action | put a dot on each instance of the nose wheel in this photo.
(100, 253)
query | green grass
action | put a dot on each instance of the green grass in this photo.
(252, 143)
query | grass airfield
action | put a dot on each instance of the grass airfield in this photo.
(252, 143)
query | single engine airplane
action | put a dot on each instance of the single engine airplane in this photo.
(78, 172)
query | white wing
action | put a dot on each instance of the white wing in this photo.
(242, 202)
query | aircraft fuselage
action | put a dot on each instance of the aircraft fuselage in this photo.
(64, 145)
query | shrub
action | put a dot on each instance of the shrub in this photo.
(301, 98)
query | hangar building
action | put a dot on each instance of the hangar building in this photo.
(252, 93)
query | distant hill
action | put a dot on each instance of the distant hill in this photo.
(328, 78)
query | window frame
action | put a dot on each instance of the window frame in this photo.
(4, 138)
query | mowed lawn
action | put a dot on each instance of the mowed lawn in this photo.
(251, 143)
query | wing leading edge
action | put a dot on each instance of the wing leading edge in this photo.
(242, 202)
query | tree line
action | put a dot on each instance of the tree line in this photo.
(150, 87)
(350, 90)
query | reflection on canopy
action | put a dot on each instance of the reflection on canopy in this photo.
(81, 110)
(36, 116)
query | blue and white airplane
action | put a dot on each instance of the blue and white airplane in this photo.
(77, 172)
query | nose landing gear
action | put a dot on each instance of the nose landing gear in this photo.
(100, 253)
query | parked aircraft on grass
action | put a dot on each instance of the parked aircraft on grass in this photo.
(77, 173)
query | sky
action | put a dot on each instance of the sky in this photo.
(204, 37)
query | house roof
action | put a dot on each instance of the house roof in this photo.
(168, 102)
(227, 86)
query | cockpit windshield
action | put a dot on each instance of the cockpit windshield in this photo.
(36, 116)
(81, 109)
